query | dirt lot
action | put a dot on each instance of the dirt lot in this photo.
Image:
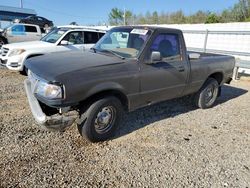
(172, 144)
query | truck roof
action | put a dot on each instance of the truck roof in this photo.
(150, 28)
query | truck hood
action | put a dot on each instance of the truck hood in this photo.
(29, 45)
(58, 66)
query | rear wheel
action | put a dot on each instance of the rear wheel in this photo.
(101, 119)
(207, 95)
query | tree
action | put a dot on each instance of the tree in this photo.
(115, 16)
(128, 17)
(226, 16)
(238, 13)
(198, 17)
(155, 18)
(148, 17)
(212, 18)
(177, 17)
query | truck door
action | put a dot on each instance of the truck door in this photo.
(166, 78)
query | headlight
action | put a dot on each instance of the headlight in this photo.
(49, 91)
(16, 52)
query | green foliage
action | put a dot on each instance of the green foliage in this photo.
(212, 18)
(115, 16)
(240, 12)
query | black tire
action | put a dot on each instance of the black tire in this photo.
(106, 109)
(2, 41)
(207, 95)
(24, 71)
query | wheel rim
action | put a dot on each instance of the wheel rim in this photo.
(210, 94)
(105, 119)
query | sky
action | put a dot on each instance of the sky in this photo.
(86, 12)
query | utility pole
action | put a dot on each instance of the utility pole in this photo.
(21, 3)
(124, 17)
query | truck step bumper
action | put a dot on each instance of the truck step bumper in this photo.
(54, 122)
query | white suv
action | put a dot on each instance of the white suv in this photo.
(59, 39)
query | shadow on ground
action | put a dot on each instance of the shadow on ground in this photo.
(145, 116)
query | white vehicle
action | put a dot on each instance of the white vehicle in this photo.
(60, 39)
(20, 32)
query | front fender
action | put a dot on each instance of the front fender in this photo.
(103, 87)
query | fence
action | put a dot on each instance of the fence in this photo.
(234, 43)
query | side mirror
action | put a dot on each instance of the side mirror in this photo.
(155, 56)
(194, 56)
(64, 42)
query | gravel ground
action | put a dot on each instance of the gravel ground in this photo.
(172, 144)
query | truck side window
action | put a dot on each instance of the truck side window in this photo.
(90, 37)
(168, 45)
(30, 29)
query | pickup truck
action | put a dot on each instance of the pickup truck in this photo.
(129, 68)
(60, 39)
(20, 32)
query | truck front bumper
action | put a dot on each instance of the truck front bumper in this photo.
(54, 122)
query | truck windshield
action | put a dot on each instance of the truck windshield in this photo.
(54, 35)
(124, 42)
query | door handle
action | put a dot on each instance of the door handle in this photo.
(181, 68)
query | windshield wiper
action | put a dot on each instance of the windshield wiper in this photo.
(112, 52)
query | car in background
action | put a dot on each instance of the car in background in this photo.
(19, 32)
(61, 39)
(37, 20)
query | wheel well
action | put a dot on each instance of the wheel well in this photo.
(217, 76)
(118, 94)
(34, 55)
(30, 56)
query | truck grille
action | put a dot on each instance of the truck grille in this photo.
(4, 51)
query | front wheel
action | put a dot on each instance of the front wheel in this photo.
(101, 119)
(207, 95)
(24, 71)
(2, 41)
